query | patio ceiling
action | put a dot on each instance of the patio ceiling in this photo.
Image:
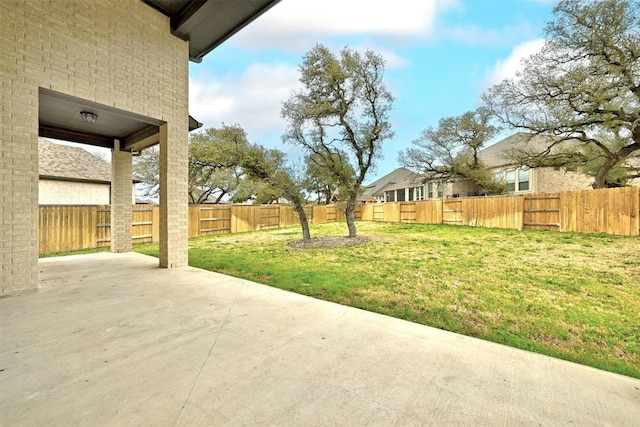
(204, 23)
(59, 118)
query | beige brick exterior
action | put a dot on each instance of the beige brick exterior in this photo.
(121, 170)
(173, 248)
(541, 180)
(550, 180)
(463, 188)
(118, 53)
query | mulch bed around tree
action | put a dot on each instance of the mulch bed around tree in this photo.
(329, 242)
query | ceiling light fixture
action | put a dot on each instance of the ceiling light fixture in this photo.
(89, 117)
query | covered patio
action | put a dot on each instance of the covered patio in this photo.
(111, 339)
(111, 74)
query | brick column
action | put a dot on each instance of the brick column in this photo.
(19, 174)
(18, 189)
(174, 148)
(121, 198)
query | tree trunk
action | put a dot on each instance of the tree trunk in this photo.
(620, 156)
(601, 176)
(350, 214)
(220, 197)
(304, 223)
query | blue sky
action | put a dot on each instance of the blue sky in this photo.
(441, 55)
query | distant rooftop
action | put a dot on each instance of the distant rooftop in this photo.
(399, 178)
(64, 162)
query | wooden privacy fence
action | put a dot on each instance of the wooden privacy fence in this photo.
(205, 220)
(66, 228)
(612, 211)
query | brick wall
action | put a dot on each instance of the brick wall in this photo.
(118, 53)
(174, 203)
(550, 180)
(121, 170)
(463, 188)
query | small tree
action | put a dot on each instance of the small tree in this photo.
(582, 88)
(452, 150)
(341, 117)
(268, 166)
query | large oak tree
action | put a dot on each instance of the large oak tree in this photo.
(582, 90)
(214, 170)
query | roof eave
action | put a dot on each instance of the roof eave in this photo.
(188, 21)
(197, 58)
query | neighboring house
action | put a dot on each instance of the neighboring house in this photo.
(633, 163)
(72, 176)
(397, 186)
(519, 179)
(404, 185)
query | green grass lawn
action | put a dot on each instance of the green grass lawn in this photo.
(572, 296)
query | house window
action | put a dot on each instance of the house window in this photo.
(401, 194)
(523, 179)
(435, 189)
(419, 193)
(516, 179)
(510, 177)
(390, 196)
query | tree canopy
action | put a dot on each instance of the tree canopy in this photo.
(451, 150)
(341, 117)
(269, 167)
(582, 87)
(319, 180)
(214, 169)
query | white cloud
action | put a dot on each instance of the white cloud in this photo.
(508, 67)
(477, 35)
(252, 99)
(298, 24)
(392, 59)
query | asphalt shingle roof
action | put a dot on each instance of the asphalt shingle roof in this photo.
(498, 154)
(399, 178)
(71, 163)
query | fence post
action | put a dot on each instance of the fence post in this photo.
(233, 219)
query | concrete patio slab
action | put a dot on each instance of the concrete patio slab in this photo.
(111, 339)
